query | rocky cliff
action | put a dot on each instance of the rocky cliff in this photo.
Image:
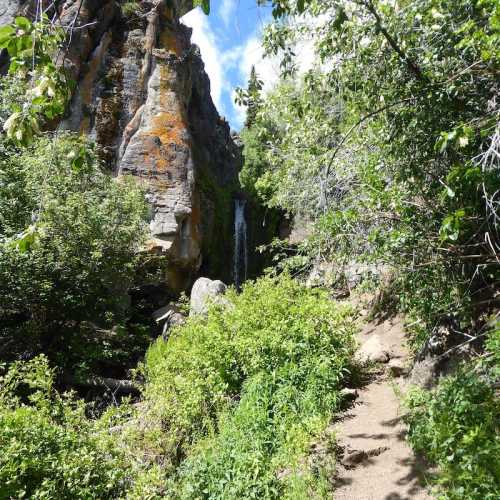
(143, 96)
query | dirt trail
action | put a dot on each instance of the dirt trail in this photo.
(377, 463)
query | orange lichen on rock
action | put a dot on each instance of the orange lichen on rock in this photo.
(169, 128)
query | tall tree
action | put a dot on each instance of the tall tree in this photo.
(254, 97)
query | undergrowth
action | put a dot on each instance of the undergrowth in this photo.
(233, 404)
(238, 397)
(50, 449)
(456, 427)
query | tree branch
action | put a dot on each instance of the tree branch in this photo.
(412, 66)
(357, 124)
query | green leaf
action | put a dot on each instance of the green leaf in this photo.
(6, 33)
(23, 23)
(340, 19)
(26, 240)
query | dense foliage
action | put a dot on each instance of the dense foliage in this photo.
(69, 237)
(232, 406)
(239, 396)
(390, 145)
(50, 449)
(35, 63)
(389, 148)
(456, 427)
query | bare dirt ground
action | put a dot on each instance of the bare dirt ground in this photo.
(376, 462)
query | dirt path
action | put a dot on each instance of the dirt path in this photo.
(377, 463)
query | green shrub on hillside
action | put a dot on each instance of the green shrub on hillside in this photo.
(69, 236)
(49, 448)
(239, 396)
(456, 427)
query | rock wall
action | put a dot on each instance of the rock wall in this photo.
(144, 98)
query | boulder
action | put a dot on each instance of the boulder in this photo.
(204, 292)
(372, 351)
(348, 394)
(397, 368)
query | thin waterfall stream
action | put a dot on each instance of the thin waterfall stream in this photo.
(240, 262)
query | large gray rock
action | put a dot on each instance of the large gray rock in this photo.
(8, 9)
(373, 350)
(204, 292)
(153, 118)
(143, 96)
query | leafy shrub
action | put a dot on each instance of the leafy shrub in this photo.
(131, 8)
(456, 427)
(390, 149)
(49, 448)
(37, 45)
(242, 393)
(69, 235)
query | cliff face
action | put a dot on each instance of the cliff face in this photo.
(144, 98)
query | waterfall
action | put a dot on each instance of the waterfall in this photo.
(240, 263)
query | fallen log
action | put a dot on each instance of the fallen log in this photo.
(116, 386)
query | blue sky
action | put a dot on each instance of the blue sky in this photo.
(229, 41)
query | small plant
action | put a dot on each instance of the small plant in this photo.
(131, 9)
(183, 304)
(49, 448)
(456, 427)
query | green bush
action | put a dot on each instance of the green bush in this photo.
(131, 9)
(388, 161)
(69, 236)
(49, 448)
(456, 427)
(239, 396)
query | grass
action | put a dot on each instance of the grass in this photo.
(239, 397)
(456, 427)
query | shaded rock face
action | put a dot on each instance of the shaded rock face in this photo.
(144, 98)
(8, 9)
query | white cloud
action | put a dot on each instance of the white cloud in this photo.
(227, 11)
(204, 37)
(240, 58)
(223, 65)
(267, 68)
(305, 56)
(251, 53)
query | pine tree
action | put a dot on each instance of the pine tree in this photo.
(253, 97)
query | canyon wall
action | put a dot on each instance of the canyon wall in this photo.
(143, 96)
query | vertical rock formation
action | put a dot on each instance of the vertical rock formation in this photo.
(144, 98)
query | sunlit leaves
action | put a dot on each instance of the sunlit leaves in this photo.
(459, 138)
(32, 48)
(416, 169)
(450, 227)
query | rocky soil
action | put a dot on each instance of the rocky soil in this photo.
(376, 463)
